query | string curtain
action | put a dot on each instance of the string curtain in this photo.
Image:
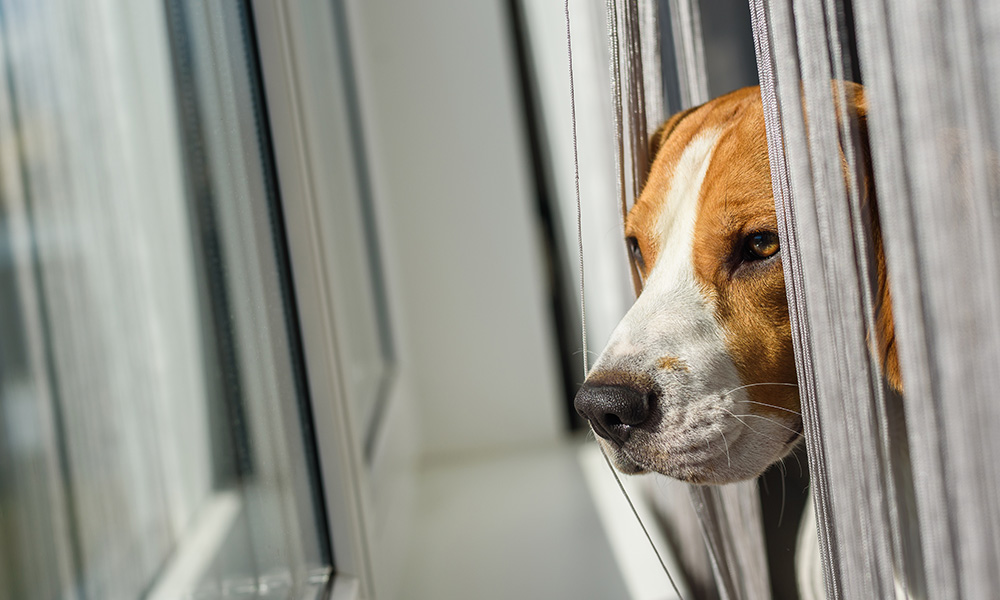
(729, 531)
(905, 485)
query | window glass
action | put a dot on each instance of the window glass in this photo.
(155, 439)
(346, 215)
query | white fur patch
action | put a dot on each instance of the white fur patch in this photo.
(680, 211)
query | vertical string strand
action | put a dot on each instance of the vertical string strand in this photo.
(796, 301)
(576, 181)
(614, 52)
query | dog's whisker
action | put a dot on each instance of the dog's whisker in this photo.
(794, 412)
(747, 425)
(750, 385)
(774, 422)
(728, 458)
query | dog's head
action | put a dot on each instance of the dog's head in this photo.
(698, 381)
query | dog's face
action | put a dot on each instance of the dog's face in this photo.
(698, 380)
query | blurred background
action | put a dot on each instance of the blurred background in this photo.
(289, 298)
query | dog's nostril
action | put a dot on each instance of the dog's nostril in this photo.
(614, 410)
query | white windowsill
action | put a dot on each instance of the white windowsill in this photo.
(541, 523)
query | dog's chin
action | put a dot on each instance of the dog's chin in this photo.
(620, 460)
(741, 462)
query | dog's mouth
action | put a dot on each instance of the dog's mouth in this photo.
(693, 464)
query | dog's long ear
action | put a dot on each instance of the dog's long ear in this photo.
(663, 132)
(656, 140)
(884, 325)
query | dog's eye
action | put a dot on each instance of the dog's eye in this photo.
(636, 252)
(761, 245)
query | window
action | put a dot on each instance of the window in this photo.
(156, 430)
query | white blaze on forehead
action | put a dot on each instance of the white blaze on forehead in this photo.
(680, 211)
(672, 316)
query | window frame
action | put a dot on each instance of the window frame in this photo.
(297, 120)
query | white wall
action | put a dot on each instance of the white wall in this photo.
(463, 261)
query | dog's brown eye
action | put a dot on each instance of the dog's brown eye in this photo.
(761, 245)
(636, 252)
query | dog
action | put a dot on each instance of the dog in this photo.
(698, 381)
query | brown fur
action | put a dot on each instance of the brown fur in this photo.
(672, 363)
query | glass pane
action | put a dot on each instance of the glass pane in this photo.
(154, 429)
(359, 307)
(353, 251)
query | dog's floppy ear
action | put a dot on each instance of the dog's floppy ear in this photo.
(663, 132)
(884, 325)
(656, 140)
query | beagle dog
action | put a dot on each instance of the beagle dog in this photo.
(698, 380)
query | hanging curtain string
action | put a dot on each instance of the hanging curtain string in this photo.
(614, 48)
(876, 525)
(576, 187)
(932, 76)
(794, 285)
(634, 85)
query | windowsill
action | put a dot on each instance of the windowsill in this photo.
(526, 525)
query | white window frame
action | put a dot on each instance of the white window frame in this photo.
(307, 123)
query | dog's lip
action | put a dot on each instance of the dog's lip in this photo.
(621, 460)
(626, 464)
(688, 458)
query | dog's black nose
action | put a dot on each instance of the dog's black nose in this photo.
(613, 410)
